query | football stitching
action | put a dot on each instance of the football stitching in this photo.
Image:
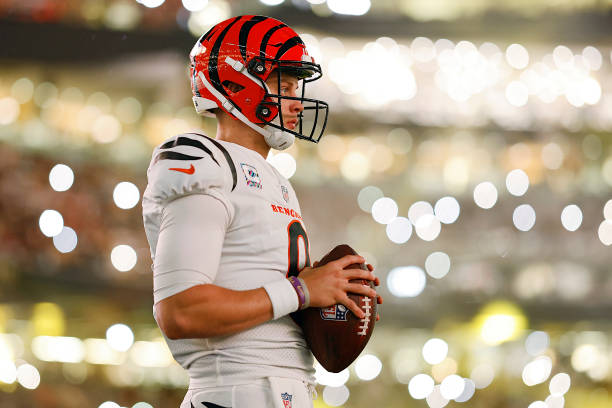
(366, 320)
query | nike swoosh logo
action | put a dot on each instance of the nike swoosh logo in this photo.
(190, 170)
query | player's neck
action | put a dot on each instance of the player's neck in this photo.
(234, 131)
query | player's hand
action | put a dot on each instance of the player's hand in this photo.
(379, 298)
(329, 284)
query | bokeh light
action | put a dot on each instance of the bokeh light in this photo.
(435, 398)
(123, 258)
(399, 230)
(437, 264)
(61, 177)
(384, 210)
(517, 182)
(28, 376)
(428, 227)
(120, 337)
(605, 232)
(354, 7)
(500, 321)
(468, 391)
(517, 56)
(66, 240)
(482, 375)
(420, 386)
(324, 377)
(537, 371)
(524, 217)
(22, 90)
(335, 396)
(368, 367)
(447, 210)
(406, 281)
(51, 223)
(9, 110)
(485, 195)
(419, 209)
(284, 163)
(452, 387)
(126, 195)
(571, 217)
(537, 342)
(8, 371)
(435, 351)
(607, 211)
(367, 196)
(142, 405)
(194, 5)
(559, 384)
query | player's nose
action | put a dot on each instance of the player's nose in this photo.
(295, 106)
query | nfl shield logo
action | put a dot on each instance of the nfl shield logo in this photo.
(285, 193)
(251, 175)
(286, 397)
(335, 312)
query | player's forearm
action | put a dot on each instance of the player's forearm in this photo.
(209, 310)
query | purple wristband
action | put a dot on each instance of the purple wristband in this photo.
(302, 292)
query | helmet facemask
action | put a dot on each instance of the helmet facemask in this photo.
(312, 119)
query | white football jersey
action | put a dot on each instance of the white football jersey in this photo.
(265, 240)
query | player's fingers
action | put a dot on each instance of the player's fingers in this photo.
(359, 274)
(370, 267)
(379, 299)
(347, 260)
(359, 289)
(376, 281)
(377, 317)
(352, 306)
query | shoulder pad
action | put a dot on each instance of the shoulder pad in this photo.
(189, 164)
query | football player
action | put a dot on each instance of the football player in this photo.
(225, 228)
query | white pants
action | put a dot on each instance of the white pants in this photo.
(271, 392)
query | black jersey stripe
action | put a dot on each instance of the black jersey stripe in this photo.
(214, 57)
(244, 34)
(292, 42)
(185, 141)
(266, 38)
(174, 156)
(211, 405)
(227, 156)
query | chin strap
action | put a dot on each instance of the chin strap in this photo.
(276, 139)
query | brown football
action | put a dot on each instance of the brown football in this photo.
(334, 334)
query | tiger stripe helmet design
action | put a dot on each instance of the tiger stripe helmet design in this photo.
(230, 64)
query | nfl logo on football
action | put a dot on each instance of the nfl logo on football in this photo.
(335, 312)
(286, 400)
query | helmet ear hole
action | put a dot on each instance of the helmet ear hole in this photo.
(256, 67)
(264, 112)
(232, 86)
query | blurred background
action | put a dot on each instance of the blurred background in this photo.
(468, 156)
